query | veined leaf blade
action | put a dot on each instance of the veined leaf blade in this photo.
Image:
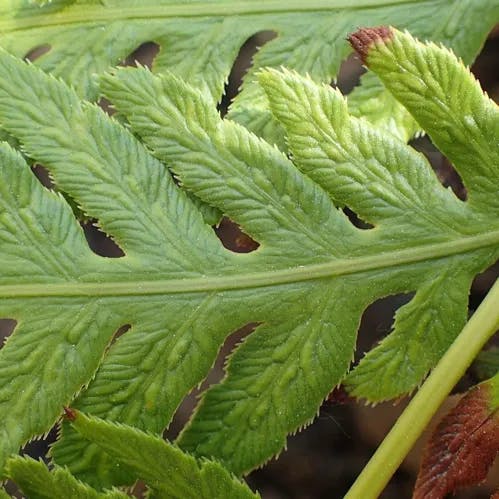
(263, 191)
(313, 273)
(80, 144)
(88, 37)
(163, 466)
(407, 178)
(376, 175)
(445, 99)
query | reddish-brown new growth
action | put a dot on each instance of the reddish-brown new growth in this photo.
(339, 396)
(69, 413)
(363, 38)
(462, 448)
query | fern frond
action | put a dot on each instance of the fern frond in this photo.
(199, 42)
(182, 293)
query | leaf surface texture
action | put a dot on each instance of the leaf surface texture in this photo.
(164, 467)
(199, 42)
(182, 293)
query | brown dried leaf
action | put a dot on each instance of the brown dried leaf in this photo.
(462, 448)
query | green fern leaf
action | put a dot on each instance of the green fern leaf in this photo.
(169, 471)
(37, 482)
(182, 293)
(90, 36)
(387, 183)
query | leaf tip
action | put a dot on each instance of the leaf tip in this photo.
(364, 38)
(69, 413)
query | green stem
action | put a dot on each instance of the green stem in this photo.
(378, 471)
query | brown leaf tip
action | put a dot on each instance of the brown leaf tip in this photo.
(69, 413)
(364, 38)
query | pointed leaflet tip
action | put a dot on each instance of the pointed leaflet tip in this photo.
(364, 38)
(69, 414)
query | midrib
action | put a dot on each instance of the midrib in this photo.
(96, 14)
(232, 281)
